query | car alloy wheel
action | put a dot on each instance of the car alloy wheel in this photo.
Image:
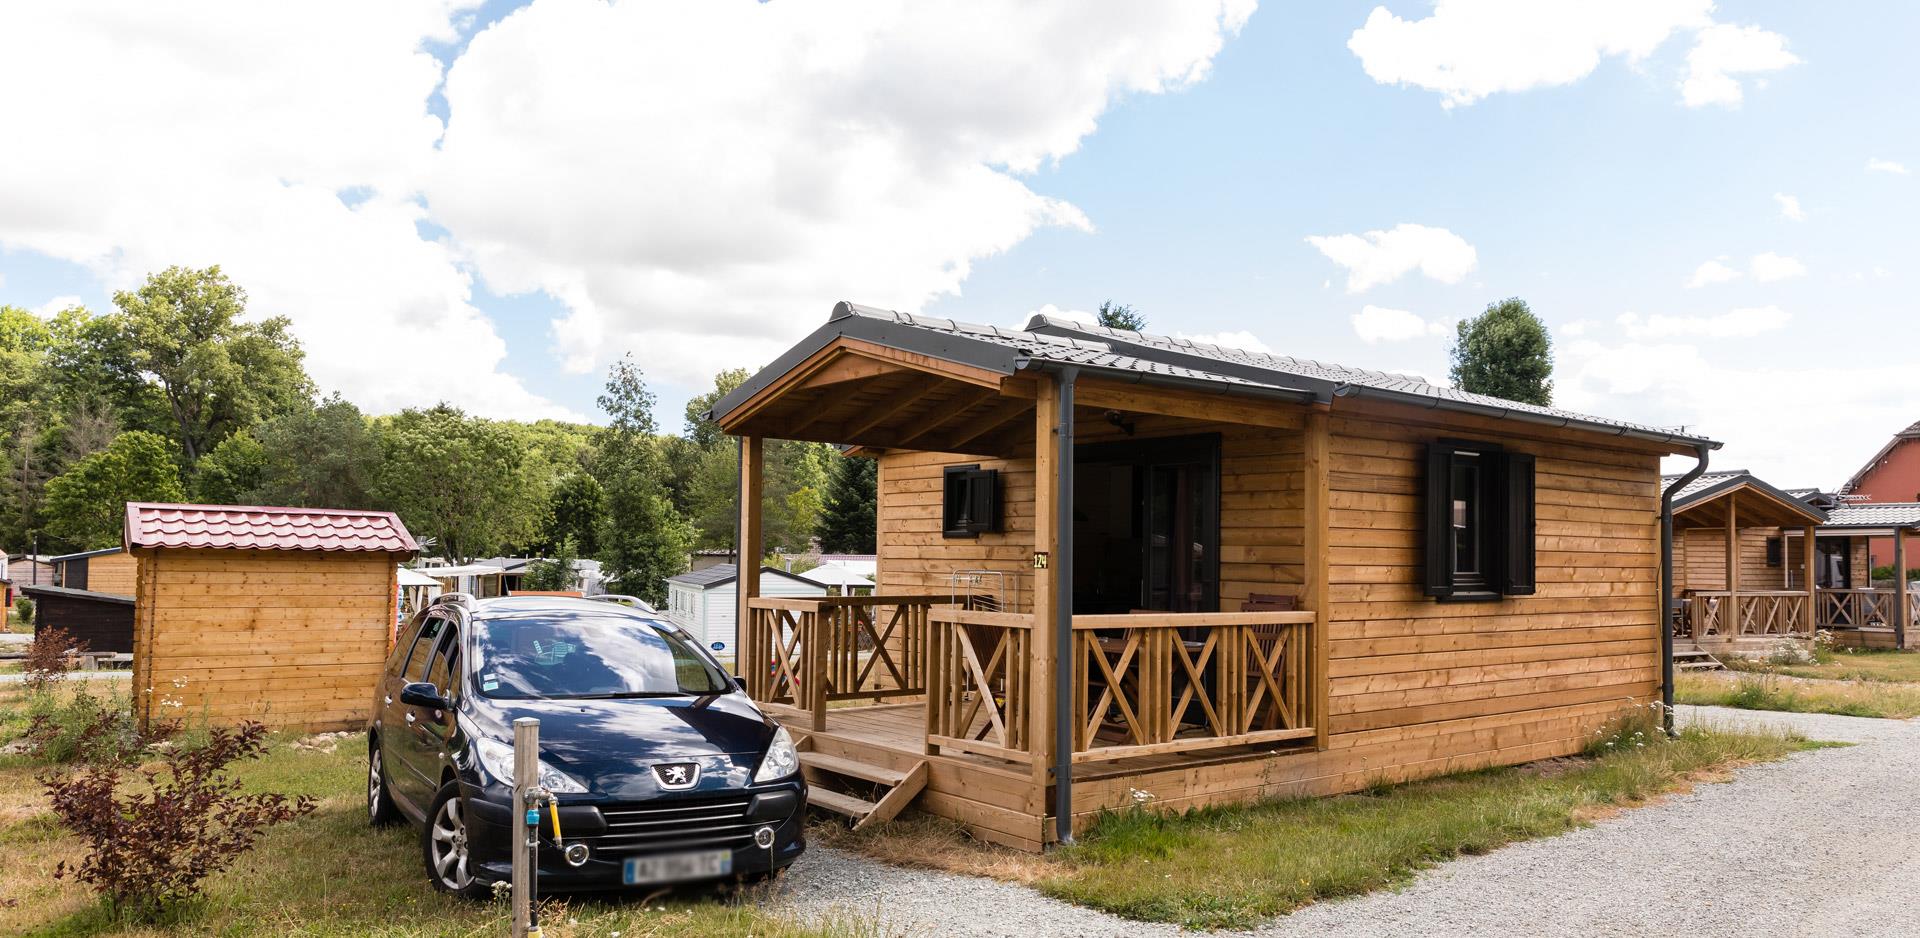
(448, 847)
(376, 786)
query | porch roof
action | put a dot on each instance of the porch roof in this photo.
(1860, 516)
(1702, 502)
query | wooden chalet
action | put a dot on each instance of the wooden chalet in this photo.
(1116, 566)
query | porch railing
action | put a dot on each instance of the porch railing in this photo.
(1145, 684)
(808, 652)
(1723, 615)
(1861, 608)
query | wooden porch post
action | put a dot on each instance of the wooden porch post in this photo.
(1809, 570)
(1903, 613)
(1046, 546)
(1730, 612)
(1316, 480)
(751, 662)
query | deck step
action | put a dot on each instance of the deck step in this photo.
(859, 809)
(1693, 659)
(852, 768)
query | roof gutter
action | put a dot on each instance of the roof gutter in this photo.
(1666, 583)
(1345, 389)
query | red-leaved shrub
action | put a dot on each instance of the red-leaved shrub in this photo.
(47, 657)
(150, 844)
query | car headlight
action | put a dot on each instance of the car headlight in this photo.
(497, 759)
(781, 760)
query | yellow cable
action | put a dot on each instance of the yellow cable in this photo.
(553, 807)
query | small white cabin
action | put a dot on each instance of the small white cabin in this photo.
(702, 601)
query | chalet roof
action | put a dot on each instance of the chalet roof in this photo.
(721, 574)
(1912, 432)
(1874, 515)
(1050, 342)
(1342, 380)
(1711, 485)
(84, 554)
(235, 527)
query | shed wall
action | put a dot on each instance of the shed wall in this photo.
(113, 573)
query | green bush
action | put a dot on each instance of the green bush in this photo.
(84, 728)
(24, 606)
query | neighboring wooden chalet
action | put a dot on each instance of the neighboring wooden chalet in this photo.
(282, 615)
(103, 622)
(702, 601)
(1113, 562)
(1858, 611)
(111, 570)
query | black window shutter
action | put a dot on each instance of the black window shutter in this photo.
(1518, 521)
(1439, 512)
(984, 502)
(1773, 552)
(957, 501)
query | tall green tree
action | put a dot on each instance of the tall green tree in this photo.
(1505, 352)
(643, 540)
(322, 456)
(231, 473)
(553, 573)
(86, 505)
(183, 333)
(1119, 316)
(848, 522)
(464, 481)
(575, 514)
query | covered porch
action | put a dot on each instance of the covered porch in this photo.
(1091, 571)
(1741, 583)
(1857, 609)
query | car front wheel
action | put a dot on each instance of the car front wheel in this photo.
(444, 846)
(381, 811)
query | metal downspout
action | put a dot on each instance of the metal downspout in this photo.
(1063, 613)
(1666, 583)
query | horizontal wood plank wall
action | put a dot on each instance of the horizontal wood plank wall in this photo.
(1260, 512)
(1700, 560)
(1420, 687)
(113, 573)
(292, 639)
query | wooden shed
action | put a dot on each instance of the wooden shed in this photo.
(111, 570)
(282, 615)
(1113, 562)
(101, 621)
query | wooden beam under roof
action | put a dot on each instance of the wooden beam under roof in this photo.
(960, 404)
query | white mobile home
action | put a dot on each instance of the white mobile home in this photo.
(702, 601)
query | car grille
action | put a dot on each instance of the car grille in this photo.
(656, 826)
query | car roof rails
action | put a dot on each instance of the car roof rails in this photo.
(463, 600)
(634, 601)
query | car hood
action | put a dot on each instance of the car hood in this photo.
(612, 746)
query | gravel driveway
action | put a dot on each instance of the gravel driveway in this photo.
(1823, 843)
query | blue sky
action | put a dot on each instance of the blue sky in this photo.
(1596, 198)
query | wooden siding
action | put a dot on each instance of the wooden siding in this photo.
(1415, 687)
(1700, 560)
(100, 624)
(292, 639)
(113, 573)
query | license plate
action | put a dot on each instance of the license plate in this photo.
(673, 867)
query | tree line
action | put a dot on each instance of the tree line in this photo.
(177, 395)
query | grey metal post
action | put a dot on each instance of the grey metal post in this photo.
(1063, 616)
(526, 775)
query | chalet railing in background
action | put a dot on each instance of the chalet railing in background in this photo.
(809, 651)
(1155, 683)
(1862, 608)
(1721, 615)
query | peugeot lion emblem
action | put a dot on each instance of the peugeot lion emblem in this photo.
(675, 776)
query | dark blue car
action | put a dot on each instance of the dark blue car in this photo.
(663, 770)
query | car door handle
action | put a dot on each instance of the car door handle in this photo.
(389, 699)
(411, 719)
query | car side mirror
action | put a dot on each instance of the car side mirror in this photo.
(423, 694)
(740, 681)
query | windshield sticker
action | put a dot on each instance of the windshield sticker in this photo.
(490, 685)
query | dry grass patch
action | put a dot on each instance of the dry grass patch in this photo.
(1771, 691)
(934, 843)
(1844, 664)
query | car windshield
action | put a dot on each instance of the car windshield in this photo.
(577, 656)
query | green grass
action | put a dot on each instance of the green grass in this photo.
(1232, 867)
(328, 875)
(1761, 691)
(1845, 665)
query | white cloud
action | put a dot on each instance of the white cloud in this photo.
(225, 135)
(1379, 324)
(1239, 339)
(1723, 51)
(1711, 272)
(1877, 165)
(1790, 207)
(1769, 267)
(702, 180)
(1379, 257)
(697, 182)
(1468, 49)
(58, 304)
(1742, 322)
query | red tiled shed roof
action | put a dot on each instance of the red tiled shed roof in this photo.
(238, 527)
